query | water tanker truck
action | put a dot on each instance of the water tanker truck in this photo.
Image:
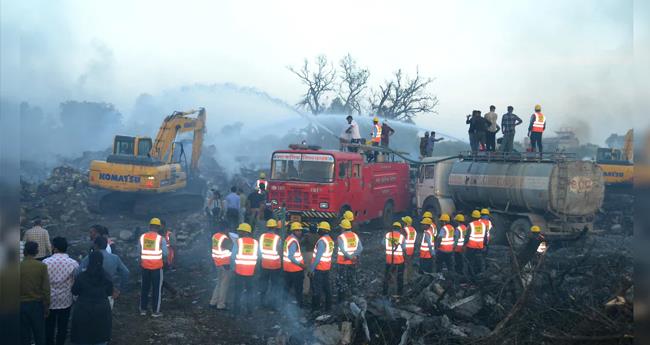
(558, 193)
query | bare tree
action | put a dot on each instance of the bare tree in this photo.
(353, 82)
(404, 98)
(319, 82)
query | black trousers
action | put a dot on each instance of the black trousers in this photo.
(320, 285)
(426, 265)
(232, 217)
(152, 280)
(490, 141)
(269, 283)
(459, 262)
(346, 278)
(293, 282)
(58, 319)
(475, 259)
(536, 140)
(444, 259)
(389, 273)
(243, 291)
(32, 323)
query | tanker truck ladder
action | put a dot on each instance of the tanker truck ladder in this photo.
(562, 186)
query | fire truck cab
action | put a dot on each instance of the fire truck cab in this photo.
(314, 184)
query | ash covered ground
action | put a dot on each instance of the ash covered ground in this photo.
(578, 293)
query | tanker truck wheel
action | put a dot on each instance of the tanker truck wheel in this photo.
(518, 234)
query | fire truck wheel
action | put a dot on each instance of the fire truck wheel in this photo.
(387, 218)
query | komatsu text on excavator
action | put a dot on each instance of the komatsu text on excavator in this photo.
(146, 177)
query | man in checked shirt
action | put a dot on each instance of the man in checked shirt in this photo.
(61, 270)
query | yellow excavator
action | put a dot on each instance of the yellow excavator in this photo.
(618, 164)
(148, 177)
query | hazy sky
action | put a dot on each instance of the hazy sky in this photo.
(582, 60)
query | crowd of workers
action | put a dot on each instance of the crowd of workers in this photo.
(483, 130)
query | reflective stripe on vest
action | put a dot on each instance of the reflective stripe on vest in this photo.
(288, 265)
(350, 245)
(260, 182)
(268, 247)
(409, 242)
(476, 235)
(426, 250)
(462, 231)
(394, 253)
(246, 257)
(376, 134)
(325, 262)
(220, 256)
(538, 124)
(541, 248)
(488, 227)
(447, 240)
(151, 255)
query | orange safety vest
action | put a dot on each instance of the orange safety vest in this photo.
(409, 242)
(447, 241)
(426, 250)
(350, 244)
(325, 262)
(151, 255)
(462, 230)
(488, 227)
(270, 255)
(246, 257)
(394, 253)
(289, 266)
(539, 123)
(170, 250)
(476, 235)
(376, 134)
(220, 256)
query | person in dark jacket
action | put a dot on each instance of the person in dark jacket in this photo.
(91, 315)
(478, 126)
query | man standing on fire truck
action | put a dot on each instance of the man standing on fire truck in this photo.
(375, 136)
(320, 268)
(395, 248)
(293, 263)
(348, 248)
(270, 247)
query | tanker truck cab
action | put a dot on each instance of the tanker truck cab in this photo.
(314, 184)
(431, 187)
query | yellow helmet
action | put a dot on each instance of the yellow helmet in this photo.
(295, 226)
(408, 220)
(397, 225)
(476, 214)
(245, 227)
(427, 221)
(348, 215)
(427, 214)
(375, 119)
(271, 223)
(324, 226)
(345, 224)
(155, 221)
(535, 228)
(485, 212)
(445, 217)
(262, 175)
(459, 218)
(538, 107)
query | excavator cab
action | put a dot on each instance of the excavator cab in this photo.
(133, 146)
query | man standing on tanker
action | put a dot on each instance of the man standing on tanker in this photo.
(536, 128)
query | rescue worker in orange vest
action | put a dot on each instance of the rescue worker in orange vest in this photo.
(170, 239)
(445, 244)
(348, 249)
(261, 181)
(394, 243)
(153, 251)
(270, 250)
(536, 128)
(320, 268)
(487, 220)
(409, 244)
(475, 244)
(375, 136)
(293, 263)
(427, 247)
(244, 259)
(459, 249)
(221, 251)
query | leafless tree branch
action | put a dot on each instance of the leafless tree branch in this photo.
(318, 79)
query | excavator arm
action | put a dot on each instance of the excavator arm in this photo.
(174, 124)
(628, 151)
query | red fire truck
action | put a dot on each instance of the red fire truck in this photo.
(315, 184)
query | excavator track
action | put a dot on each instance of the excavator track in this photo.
(140, 204)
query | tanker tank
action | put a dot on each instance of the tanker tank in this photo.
(560, 188)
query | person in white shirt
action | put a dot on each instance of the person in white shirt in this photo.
(353, 132)
(61, 270)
